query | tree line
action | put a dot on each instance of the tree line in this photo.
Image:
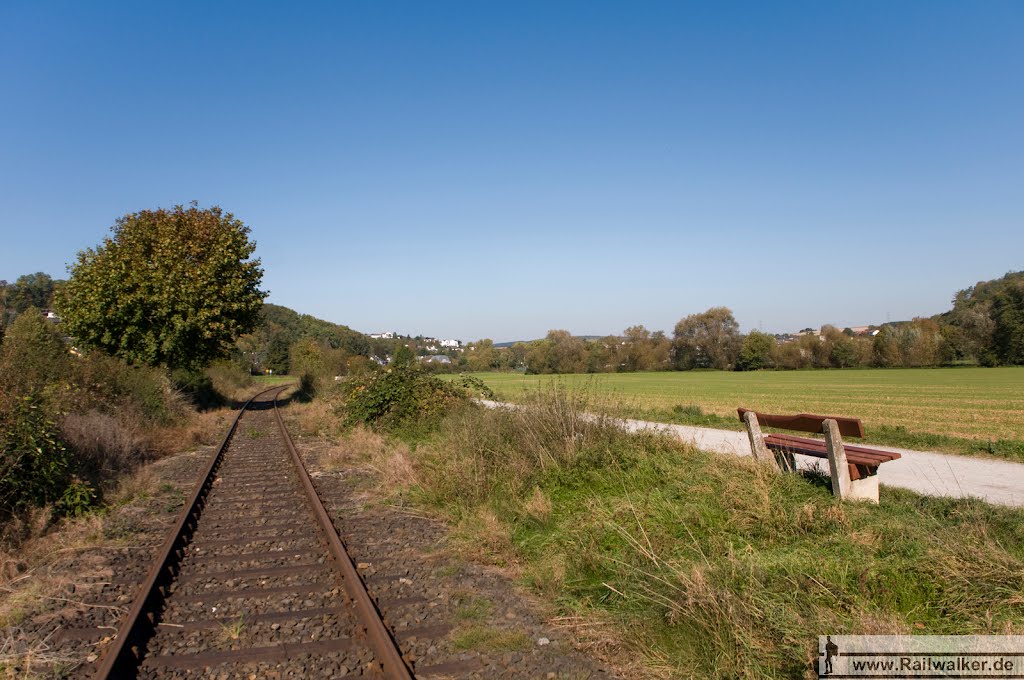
(985, 326)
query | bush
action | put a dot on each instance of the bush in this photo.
(400, 396)
(198, 388)
(35, 463)
(34, 357)
(110, 385)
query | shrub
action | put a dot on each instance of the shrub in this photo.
(399, 396)
(198, 388)
(111, 385)
(35, 463)
(34, 357)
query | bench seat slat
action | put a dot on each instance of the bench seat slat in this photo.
(820, 443)
(858, 467)
(815, 447)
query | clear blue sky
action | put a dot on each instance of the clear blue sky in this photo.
(484, 169)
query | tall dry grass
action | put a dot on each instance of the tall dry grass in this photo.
(711, 566)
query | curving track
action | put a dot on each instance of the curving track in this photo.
(254, 580)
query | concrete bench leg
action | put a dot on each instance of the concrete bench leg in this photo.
(757, 448)
(843, 487)
(864, 489)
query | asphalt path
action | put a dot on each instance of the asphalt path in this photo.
(926, 472)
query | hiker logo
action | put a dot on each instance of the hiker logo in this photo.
(920, 656)
(831, 651)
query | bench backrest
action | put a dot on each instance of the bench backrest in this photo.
(806, 422)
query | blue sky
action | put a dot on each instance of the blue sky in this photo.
(490, 169)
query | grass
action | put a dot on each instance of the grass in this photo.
(705, 565)
(488, 639)
(232, 631)
(470, 607)
(957, 410)
(274, 380)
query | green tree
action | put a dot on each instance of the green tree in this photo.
(403, 356)
(1008, 314)
(567, 352)
(306, 358)
(481, 356)
(837, 349)
(34, 357)
(168, 288)
(710, 339)
(756, 352)
(32, 290)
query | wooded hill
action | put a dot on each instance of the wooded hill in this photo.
(271, 345)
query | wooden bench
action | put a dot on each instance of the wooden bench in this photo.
(854, 469)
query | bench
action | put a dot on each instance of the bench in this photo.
(854, 469)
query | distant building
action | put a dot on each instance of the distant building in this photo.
(388, 335)
(436, 358)
(454, 344)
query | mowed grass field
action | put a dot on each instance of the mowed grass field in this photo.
(272, 380)
(964, 403)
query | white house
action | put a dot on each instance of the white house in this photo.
(455, 344)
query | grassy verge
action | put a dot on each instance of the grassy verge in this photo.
(968, 411)
(707, 566)
(884, 435)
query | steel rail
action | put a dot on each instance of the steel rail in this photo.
(389, 656)
(122, 657)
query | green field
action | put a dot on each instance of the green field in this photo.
(956, 408)
(273, 380)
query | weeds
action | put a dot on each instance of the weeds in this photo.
(25, 658)
(470, 607)
(487, 639)
(710, 565)
(232, 631)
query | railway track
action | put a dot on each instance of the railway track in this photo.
(253, 580)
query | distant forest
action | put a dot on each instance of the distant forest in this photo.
(985, 326)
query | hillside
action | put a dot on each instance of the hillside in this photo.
(268, 347)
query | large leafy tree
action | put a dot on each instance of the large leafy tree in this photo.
(710, 339)
(756, 352)
(1008, 314)
(167, 288)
